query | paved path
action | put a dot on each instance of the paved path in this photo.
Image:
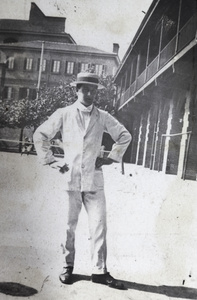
(32, 230)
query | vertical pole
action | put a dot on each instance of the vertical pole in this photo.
(156, 136)
(122, 167)
(160, 148)
(147, 58)
(152, 147)
(186, 155)
(131, 73)
(121, 89)
(160, 41)
(137, 71)
(40, 69)
(178, 27)
(131, 78)
(21, 139)
(2, 79)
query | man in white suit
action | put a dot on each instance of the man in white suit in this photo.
(82, 126)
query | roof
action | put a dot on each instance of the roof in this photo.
(22, 26)
(38, 22)
(58, 46)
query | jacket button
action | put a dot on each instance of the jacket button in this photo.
(83, 166)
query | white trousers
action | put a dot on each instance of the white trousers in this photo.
(95, 205)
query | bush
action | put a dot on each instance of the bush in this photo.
(24, 112)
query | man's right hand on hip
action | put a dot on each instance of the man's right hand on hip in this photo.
(58, 165)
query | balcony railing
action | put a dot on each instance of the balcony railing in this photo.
(167, 52)
(187, 33)
(141, 79)
(152, 68)
(184, 37)
(128, 93)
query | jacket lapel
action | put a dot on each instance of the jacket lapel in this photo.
(93, 119)
(77, 116)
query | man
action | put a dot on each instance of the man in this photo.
(82, 126)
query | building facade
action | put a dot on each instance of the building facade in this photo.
(38, 51)
(38, 27)
(157, 88)
(32, 64)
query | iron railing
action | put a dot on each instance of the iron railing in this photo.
(167, 52)
(178, 42)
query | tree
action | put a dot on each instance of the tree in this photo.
(20, 113)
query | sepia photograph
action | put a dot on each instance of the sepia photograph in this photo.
(98, 149)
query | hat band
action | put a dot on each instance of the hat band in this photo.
(86, 79)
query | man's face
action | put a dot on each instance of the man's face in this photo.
(86, 94)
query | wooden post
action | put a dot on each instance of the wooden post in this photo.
(122, 167)
(186, 156)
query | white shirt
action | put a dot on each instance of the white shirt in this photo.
(84, 113)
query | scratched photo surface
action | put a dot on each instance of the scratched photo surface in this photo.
(145, 55)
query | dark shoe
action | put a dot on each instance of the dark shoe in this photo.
(66, 275)
(107, 279)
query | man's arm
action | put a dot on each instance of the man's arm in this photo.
(43, 135)
(120, 135)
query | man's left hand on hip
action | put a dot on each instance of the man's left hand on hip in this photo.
(100, 161)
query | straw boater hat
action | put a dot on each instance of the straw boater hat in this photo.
(88, 78)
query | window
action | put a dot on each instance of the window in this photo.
(44, 64)
(56, 66)
(28, 64)
(8, 92)
(32, 94)
(99, 69)
(10, 63)
(84, 67)
(23, 93)
(69, 67)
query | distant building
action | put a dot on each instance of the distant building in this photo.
(157, 89)
(38, 51)
(38, 27)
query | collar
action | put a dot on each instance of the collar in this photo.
(83, 108)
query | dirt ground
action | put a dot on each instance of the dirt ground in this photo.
(152, 238)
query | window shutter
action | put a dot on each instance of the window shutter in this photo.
(52, 63)
(25, 63)
(66, 67)
(79, 67)
(74, 67)
(38, 66)
(104, 71)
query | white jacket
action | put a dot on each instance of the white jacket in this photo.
(81, 148)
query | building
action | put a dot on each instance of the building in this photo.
(38, 51)
(157, 88)
(23, 73)
(38, 27)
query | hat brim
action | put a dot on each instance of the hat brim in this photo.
(98, 85)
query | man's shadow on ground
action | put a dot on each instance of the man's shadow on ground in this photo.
(170, 291)
(16, 289)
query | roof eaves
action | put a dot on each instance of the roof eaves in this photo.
(70, 48)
